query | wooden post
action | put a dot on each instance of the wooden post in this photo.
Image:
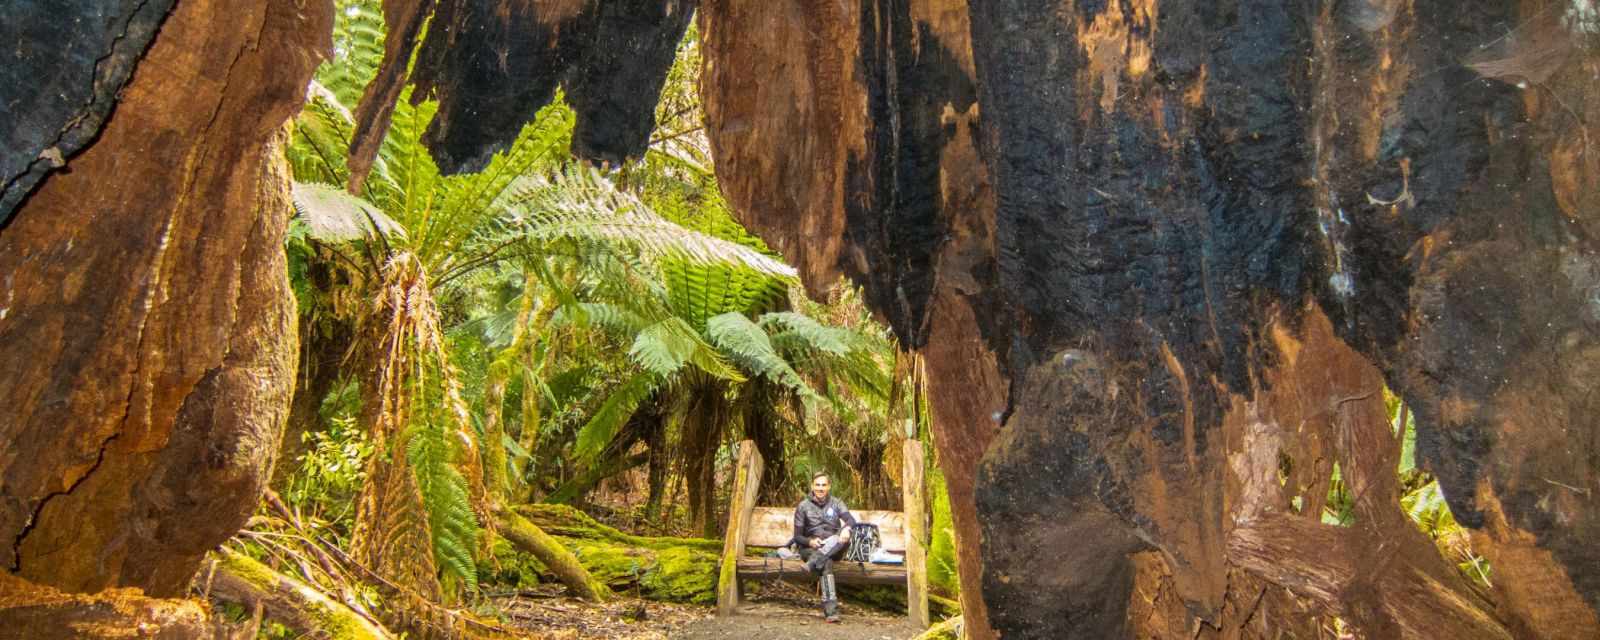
(746, 484)
(916, 534)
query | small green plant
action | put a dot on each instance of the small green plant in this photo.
(331, 472)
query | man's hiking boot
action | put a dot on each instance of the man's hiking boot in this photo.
(830, 599)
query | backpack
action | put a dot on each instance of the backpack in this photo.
(864, 540)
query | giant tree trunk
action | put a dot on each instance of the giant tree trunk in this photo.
(146, 325)
(1164, 208)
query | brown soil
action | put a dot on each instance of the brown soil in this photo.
(779, 613)
(788, 620)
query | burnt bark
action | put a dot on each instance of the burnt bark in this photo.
(59, 77)
(1159, 204)
(147, 323)
(492, 66)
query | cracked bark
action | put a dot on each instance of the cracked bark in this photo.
(59, 77)
(147, 319)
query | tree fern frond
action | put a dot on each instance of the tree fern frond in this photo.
(332, 215)
(753, 348)
(614, 318)
(666, 346)
(446, 500)
(811, 334)
(619, 405)
(581, 203)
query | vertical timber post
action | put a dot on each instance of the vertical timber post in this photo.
(746, 484)
(916, 534)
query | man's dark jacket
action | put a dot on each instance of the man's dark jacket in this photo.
(813, 519)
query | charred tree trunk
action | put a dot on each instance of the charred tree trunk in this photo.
(1161, 203)
(146, 323)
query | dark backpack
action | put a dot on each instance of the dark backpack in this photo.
(864, 540)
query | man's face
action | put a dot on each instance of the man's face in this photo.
(819, 487)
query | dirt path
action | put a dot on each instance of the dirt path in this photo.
(781, 615)
(774, 620)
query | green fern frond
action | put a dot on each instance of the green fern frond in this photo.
(751, 346)
(581, 203)
(446, 500)
(332, 215)
(358, 36)
(666, 346)
(804, 332)
(619, 405)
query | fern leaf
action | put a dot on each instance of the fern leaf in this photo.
(751, 346)
(613, 413)
(332, 215)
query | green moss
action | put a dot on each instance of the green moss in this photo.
(329, 617)
(948, 630)
(683, 574)
(249, 569)
(888, 598)
(940, 607)
(568, 522)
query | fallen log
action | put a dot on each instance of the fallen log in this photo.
(528, 537)
(656, 567)
(948, 630)
(239, 579)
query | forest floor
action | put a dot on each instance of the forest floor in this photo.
(782, 615)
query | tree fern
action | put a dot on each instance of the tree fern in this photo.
(579, 202)
(430, 449)
(665, 347)
(331, 215)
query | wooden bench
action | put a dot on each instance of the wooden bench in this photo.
(766, 528)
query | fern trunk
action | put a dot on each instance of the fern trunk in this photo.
(494, 451)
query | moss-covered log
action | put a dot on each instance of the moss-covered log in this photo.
(568, 522)
(557, 558)
(660, 568)
(240, 579)
(948, 630)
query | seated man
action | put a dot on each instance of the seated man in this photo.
(821, 537)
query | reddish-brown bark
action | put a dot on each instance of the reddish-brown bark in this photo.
(146, 323)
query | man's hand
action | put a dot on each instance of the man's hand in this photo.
(844, 534)
(814, 543)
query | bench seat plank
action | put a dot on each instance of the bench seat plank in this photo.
(774, 526)
(846, 572)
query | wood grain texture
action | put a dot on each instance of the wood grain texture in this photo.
(746, 486)
(916, 533)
